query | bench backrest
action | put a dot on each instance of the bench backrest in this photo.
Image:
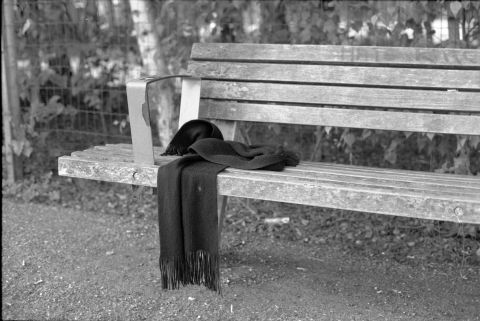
(388, 88)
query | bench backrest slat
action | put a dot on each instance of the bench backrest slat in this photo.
(342, 96)
(407, 89)
(338, 117)
(438, 57)
(338, 75)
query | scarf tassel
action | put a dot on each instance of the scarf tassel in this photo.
(199, 267)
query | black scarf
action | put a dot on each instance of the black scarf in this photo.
(187, 206)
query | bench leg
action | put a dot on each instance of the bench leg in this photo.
(222, 206)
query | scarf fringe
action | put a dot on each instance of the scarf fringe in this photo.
(199, 267)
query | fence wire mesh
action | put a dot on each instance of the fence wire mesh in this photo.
(75, 56)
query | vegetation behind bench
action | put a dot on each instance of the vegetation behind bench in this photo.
(402, 89)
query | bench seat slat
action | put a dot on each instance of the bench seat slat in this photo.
(345, 75)
(124, 154)
(424, 199)
(312, 168)
(130, 173)
(396, 56)
(343, 96)
(302, 172)
(408, 175)
(341, 117)
(416, 205)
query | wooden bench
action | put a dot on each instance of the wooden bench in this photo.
(385, 88)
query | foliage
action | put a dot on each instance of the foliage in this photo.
(63, 71)
(71, 52)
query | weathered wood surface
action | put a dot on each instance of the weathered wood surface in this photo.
(343, 96)
(126, 151)
(114, 151)
(341, 117)
(395, 192)
(344, 75)
(402, 56)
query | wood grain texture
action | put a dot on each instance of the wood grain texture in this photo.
(329, 185)
(344, 75)
(342, 96)
(326, 195)
(401, 56)
(123, 153)
(340, 117)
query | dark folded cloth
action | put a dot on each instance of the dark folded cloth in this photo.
(187, 206)
(187, 219)
(238, 155)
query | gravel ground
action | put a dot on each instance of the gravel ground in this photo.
(65, 264)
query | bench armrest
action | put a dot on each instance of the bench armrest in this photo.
(139, 115)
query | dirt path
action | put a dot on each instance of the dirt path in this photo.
(66, 264)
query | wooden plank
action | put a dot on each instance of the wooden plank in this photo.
(291, 177)
(343, 96)
(393, 174)
(401, 56)
(393, 171)
(384, 180)
(326, 195)
(125, 156)
(383, 200)
(338, 117)
(123, 152)
(108, 171)
(357, 184)
(358, 177)
(307, 174)
(345, 75)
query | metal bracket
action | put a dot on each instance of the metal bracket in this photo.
(139, 115)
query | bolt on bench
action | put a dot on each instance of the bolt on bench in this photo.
(385, 88)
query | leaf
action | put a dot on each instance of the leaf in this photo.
(390, 154)
(455, 7)
(305, 35)
(349, 139)
(443, 148)
(461, 140)
(391, 9)
(462, 164)
(27, 149)
(407, 134)
(443, 169)
(366, 133)
(26, 26)
(330, 27)
(421, 143)
(54, 195)
(276, 128)
(17, 146)
(474, 141)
